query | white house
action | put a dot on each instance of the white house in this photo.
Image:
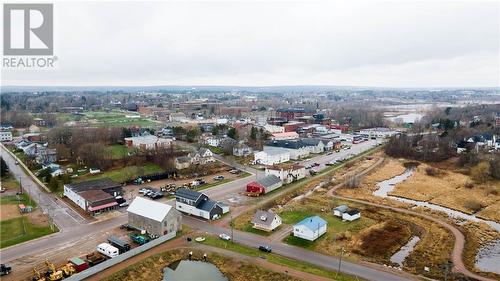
(198, 204)
(310, 228)
(266, 221)
(287, 173)
(316, 145)
(214, 140)
(340, 210)
(351, 214)
(147, 142)
(271, 156)
(202, 156)
(5, 136)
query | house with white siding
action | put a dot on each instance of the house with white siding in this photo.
(310, 228)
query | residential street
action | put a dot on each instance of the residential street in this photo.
(73, 232)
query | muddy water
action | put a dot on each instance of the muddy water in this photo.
(488, 257)
(401, 255)
(186, 270)
(387, 186)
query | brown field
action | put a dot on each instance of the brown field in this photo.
(383, 239)
(9, 211)
(152, 267)
(449, 189)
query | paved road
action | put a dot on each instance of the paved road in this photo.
(73, 230)
(365, 270)
(61, 214)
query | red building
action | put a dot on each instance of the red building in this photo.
(292, 126)
(344, 128)
(292, 113)
(264, 185)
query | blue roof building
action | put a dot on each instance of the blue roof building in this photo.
(310, 228)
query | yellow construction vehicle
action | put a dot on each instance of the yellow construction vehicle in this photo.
(38, 276)
(67, 270)
(54, 274)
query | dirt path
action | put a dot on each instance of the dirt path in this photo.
(459, 244)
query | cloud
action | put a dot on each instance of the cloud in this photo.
(273, 43)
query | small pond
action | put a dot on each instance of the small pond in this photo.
(186, 270)
(400, 256)
(488, 257)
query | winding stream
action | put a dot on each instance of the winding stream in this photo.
(387, 186)
(488, 257)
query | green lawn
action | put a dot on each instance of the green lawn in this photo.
(124, 174)
(13, 199)
(248, 227)
(335, 226)
(118, 151)
(277, 259)
(12, 231)
(118, 119)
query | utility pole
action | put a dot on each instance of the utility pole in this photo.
(232, 229)
(340, 260)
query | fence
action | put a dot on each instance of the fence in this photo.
(120, 258)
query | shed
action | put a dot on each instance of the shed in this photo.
(338, 211)
(351, 214)
(79, 264)
(264, 185)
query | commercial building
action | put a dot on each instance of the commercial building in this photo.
(378, 132)
(95, 196)
(154, 217)
(5, 136)
(285, 136)
(271, 156)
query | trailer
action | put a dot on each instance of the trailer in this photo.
(95, 258)
(107, 250)
(139, 239)
(79, 264)
(119, 243)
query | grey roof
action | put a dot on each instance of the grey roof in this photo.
(263, 217)
(269, 181)
(206, 205)
(187, 193)
(104, 183)
(183, 159)
(311, 141)
(342, 208)
(271, 150)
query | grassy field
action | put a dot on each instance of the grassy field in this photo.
(118, 151)
(14, 231)
(277, 259)
(17, 199)
(124, 174)
(117, 119)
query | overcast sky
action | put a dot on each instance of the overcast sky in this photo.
(393, 44)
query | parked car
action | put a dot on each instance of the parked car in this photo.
(124, 204)
(143, 190)
(234, 171)
(2, 190)
(265, 248)
(224, 236)
(333, 162)
(218, 177)
(156, 195)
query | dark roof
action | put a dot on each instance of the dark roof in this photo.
(295, 110)
(311, 141)
(269, 181)
(104, 183)
(95, 195)
(352, 212)
(286, 144)
(187, 193)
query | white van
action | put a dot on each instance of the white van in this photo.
(108, 250)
